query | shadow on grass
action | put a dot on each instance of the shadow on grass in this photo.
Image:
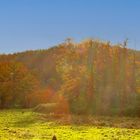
(98, 121)
(25, 121)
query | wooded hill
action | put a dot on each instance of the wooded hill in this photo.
(90, 77)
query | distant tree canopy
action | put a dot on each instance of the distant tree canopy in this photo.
(94, 77)
(15, 83)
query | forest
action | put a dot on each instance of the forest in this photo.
(90, 77)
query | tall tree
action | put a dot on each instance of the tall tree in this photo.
(15, 83)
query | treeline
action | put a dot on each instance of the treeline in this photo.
(91, 77)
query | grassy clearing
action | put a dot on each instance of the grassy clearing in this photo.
(28, 125)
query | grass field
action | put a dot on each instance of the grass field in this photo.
(28, 125)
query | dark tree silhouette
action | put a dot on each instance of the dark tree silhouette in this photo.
(54, 138)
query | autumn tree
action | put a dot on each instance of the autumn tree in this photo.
(15, 83)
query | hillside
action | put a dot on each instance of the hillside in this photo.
(89, 77)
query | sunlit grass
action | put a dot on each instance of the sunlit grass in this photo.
(25, 124)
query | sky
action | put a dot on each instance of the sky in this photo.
(40, 24)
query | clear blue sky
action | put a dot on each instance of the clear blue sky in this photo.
(39, 24)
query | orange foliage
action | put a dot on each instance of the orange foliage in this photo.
(63, 106)
(42, 96)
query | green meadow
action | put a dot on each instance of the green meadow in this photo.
(28, 125)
